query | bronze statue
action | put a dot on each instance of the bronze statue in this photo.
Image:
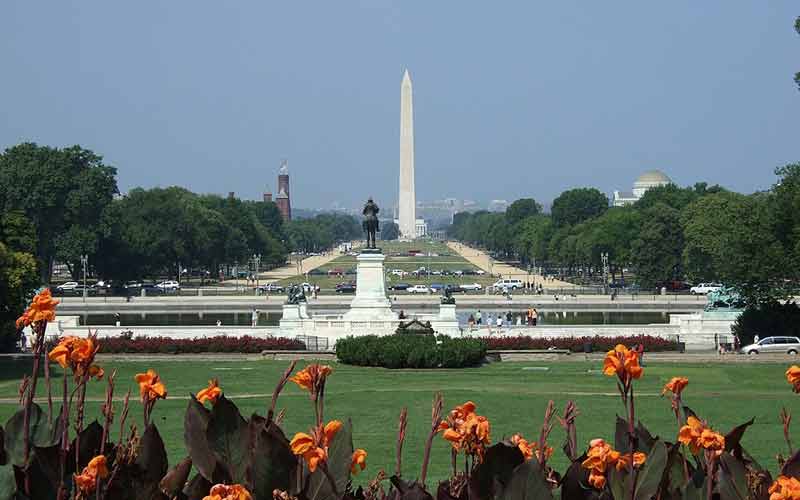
(370, 224)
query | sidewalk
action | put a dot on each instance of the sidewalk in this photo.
(482, 260)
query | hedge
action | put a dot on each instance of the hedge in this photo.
(221, 343)
(576, 344)
(410, 351)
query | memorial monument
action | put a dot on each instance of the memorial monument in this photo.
(407, 201)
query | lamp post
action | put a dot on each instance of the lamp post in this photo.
(256, 265)
(84, 262)
(604, 259)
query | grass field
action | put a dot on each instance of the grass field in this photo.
(511, 395)
(445, 260)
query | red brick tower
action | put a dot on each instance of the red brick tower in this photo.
(282, 198)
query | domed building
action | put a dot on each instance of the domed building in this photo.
(648, 180)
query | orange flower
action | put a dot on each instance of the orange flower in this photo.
(77, 354)
(359, 461)
(696, 436)
(601, 457)
(87, 480)
(530, 449)
(228, 492)
(150, 386)
(210, 393)
(622, 362)
(793, 377)
(784, 488)
(466, 430)
(314, 447)
(624, 461)
(311, 377)
(676, 385)
(43, 308)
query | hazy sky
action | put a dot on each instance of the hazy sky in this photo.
(512, 98)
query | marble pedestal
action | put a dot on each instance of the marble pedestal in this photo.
(370, 302)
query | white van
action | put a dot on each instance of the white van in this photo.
(508, 284)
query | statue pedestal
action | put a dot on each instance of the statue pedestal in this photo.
(370, 302)
(447, 312)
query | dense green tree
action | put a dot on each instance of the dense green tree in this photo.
(63, 192)
(322, 232)
(657, 250)
(578, 205)
(389, 231)
(612, 233)
(18, 280)
(674, 196)
(521, 209)
(531, 238)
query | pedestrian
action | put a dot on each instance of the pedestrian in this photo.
(23, 341)
(756, 339)
(535, 316)
(117, 320)
(219, 322)
(519, 320)
(509, 318)
(254, 318)
(499, 321)
(471, 322)
(736, 344)
(478, 318)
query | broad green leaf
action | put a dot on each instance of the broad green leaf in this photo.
(732, 481)
(152, 464)
(41, 433)
(228, 438)
(527, 483)
(195, 425)
(272, 462)
(651, 473)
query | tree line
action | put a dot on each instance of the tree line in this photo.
(58, 204)
(698, 233)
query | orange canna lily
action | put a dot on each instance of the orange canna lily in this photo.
(86, 481)
(785, 488)
(359, 461)
(523, 445)
(622, 362)
(793, 377)
(228, 492)
(312, 376)
(42, 308)
(466, 430)
(623, 462)
(77, 354)
(601, 457)
(676, 385)
(150, 386)
(696, 436)
(210, 393)
(314, 447)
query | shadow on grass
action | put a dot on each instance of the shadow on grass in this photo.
(15, 369)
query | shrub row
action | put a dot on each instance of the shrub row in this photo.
(221, 343)
(410, 351)
(576, 344)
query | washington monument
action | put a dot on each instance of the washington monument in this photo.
(407, 202)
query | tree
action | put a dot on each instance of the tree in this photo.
(612, 233)
(578, 205)
(18, 279)
(63, 192)
(531, 238)
(521, 209)
(390, 231)
(657, 251)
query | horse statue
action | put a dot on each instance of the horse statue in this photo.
(370, 224)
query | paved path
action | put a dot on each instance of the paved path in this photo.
(492, 266)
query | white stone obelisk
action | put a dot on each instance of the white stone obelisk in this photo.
(407, 201)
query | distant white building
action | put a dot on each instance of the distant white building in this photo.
(420, 228)
(648, 180)
(498, 205)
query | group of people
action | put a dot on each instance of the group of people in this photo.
(529, 318)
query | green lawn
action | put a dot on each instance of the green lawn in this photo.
(445, 260)
(511, 396)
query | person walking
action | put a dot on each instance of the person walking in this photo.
(499, 321)
(535, 316)
(529, 316)
(509, 318)
(478, 318)
(254, 318)
(471, 322)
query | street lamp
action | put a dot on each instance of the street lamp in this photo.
(256, 263)
(604, 259)
(84, 262)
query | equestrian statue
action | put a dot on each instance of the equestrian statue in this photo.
(370, 224)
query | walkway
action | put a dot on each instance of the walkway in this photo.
(492, 266)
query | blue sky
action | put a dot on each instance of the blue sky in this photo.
(512, 99)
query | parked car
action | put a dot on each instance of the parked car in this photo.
(673, 285)
(69, 285)
(270, 287)
(507, 284)
(151, 289)
(453, 289)
(468, 287)
(789, 345)
(399, 287)
(169, 285)
(704, 288)
(480, 271)
(346, 288)
(436, 287)
(308, 287)
(418, 289)
(398, 272)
